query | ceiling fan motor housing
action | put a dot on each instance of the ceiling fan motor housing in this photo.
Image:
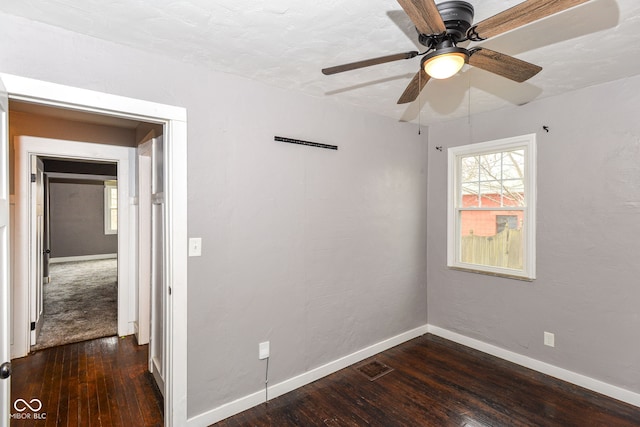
(457, 17)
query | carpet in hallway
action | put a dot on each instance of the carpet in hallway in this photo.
(80, 302)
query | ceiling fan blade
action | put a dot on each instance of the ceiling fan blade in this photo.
(369, 62)
(503, 65)
(424, 15)
(414, 87)
(519, 15)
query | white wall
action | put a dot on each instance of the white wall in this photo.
(587, 287)
(320, 252)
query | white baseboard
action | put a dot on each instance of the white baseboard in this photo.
(254, 399)
(81, 258)
(528, 362)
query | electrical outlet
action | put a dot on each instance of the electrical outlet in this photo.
(549, 339)
(263, 350)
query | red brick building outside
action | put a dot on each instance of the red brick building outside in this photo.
(489, 223)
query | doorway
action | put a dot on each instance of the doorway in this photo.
(173, 120)
(80, 249)
(28, 300)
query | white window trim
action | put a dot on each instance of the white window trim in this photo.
(528, 143)
(108, 186)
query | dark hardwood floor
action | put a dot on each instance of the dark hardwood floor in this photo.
(104, 382)
(435, 382)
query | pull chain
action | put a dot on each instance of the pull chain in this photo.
(469, 110)
(419, 103)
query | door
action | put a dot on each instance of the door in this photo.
(5, 364)
(157, 337)
(36, 234)
(143, 316)
(46, 252)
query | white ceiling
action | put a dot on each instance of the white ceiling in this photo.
(286, 42)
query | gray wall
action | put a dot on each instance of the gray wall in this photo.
(588, 266)
(77, 220)
(321, 252)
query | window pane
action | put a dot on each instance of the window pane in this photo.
(492, 238)
(493, 179)
(470, 197)
(114, 219)
(513, 165)
(113, 195)
(513, 192)
(490, 167)
(469, 169)
(491, 194)
(110, 207)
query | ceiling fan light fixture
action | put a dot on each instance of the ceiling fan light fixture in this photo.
(444, 63)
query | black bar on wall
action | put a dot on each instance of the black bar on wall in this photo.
(300, 142)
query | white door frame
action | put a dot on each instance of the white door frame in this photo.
(26, 147)
(5, 259)
(143, 309)
(174, 120)
(36, 239)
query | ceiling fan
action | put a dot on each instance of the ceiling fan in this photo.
(443, 26)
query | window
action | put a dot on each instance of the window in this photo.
(504, 221)
(110, 207)
(491, 222)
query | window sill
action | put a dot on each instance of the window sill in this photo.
(491, 273)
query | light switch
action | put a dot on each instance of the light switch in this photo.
(195, 246)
